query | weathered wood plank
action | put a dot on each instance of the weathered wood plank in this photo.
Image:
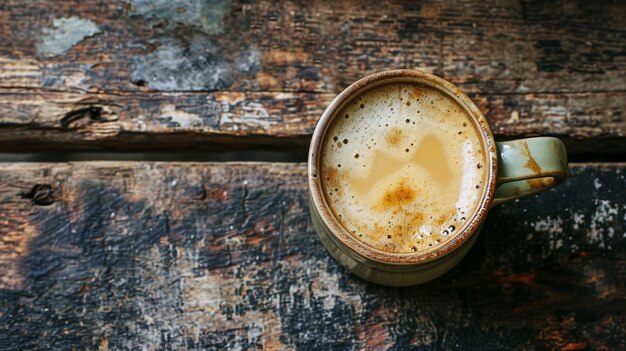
(251, 74)
(208, 256)
(484, 46)
(33, 120)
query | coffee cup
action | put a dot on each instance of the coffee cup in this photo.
(403, 169)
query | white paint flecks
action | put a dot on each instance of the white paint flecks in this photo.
(549, 225)
(251, 114)
(140, 124)
(553, 228)
(597, 184)
(579, 218)
(65, 33)
(602, 222)
(179, 118)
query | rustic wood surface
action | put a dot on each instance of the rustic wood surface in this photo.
(160, 256)
(190, 74)
(171, 256)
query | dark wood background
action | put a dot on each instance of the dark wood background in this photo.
(170, 256)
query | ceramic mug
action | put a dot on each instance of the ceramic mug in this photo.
(515, 168)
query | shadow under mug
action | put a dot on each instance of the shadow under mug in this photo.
(515, 168)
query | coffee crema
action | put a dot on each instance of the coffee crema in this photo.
(403, 167)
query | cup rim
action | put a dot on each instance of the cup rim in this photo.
(337, 231)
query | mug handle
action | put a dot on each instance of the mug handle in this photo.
(528, 166)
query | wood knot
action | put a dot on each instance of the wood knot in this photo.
(41, 195)
(81, 117)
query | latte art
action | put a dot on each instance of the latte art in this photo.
(402, 168)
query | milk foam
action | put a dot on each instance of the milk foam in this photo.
(403, 168)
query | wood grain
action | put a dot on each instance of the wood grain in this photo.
(35, 121)
(208, 256)
(158, 121)
(193, 74)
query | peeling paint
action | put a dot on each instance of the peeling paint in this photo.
(322, 297)
(65, 33)
(202, 296)
(177, 118)
(327, 287)
(205, 15)
(254, 115)
(165, 287)
(207, 298)
(174, 66)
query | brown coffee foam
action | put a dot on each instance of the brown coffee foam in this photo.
(394, 137)
(396, 196)
(402, 192)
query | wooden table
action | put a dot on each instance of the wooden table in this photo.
(166, 255)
